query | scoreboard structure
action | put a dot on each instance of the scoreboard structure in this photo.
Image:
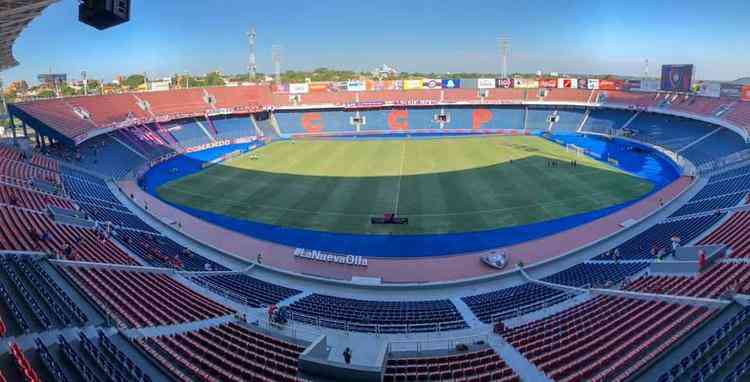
(676, 78)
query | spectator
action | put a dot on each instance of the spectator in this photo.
(259, 258)
(348, 356)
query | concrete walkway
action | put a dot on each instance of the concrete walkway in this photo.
(525, 369)
(51, 337)
(154, 331)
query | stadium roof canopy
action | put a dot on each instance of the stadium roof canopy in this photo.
(15, 15)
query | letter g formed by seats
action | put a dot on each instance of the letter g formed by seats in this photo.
(398, 120)
(312, 122)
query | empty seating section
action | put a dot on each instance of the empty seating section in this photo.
(161, 251)
(673, 133)
(90, 190)
(506, 95)
(232, 127)
(118, 218)
(737, 184)
(138, 299)
(143, 139)
(187, 132)
(596, 274)
(607, 338)
(474, 365)
(711, 283)
(538, 119)
(96, 154)
(739, 115)
(49, 362)
(314, 122)
(241, 98)
(735, 233)
(24, 171)
(246, 290)
(606, 121)
(424, 119)
(228, 352)
(60, 114)
(628, 98)
(569, 95)
(386, 316)
(401, 97)
(699, 206)
(30, 198)
(568, 120)
(720, 144)
(511, 302)
(110, 361)
(659, 237)
(26, 230)
(47, 302)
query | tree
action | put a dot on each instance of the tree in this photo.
(134, 81)
(46, 93)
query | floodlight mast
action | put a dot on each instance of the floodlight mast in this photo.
(252, 66)
(504, 44)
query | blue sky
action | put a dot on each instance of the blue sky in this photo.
(170, 36)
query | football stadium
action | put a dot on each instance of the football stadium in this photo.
(374, 227)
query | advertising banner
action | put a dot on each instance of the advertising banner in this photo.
(632, 84)
(412, 84)
(428, 83)
(676, 78)
(504, 83)
(592, 83)
(356, 86)
(299, 88)
(337, 86)
(745, 94)
(548, 83)
(567, 83)
(486, 83)
(451, 83)
(319, 86)
(525, 83)
(731, 90)
(709, 89)
(611, 84)
(282, 88)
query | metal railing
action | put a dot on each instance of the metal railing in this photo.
(437, 343)
(349, 326)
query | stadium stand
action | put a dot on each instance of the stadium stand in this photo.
(232, 127)
(595, 274)
(228, 352)
(385, 316)
(481, 364)
(246, 290)
(511, 302)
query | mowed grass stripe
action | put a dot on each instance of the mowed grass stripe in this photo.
(450, 185)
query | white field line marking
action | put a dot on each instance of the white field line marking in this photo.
(400, 176)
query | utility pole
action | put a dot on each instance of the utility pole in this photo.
(252, 67)
(85, 83)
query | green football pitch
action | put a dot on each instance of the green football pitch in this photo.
(441, 185)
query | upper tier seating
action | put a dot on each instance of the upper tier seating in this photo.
(719, 144)
(161, 251)
(709, 284)
(140, 299)
(232, 127)
(671, 132)
(188, 132)
(390, 316)
(230, 352)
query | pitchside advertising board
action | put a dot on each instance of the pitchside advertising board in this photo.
(592, 83)
(356, 86)
(504, 83)
(567, 83)
(676, 78)
(299, 88)
(524, 83)
(451, 83)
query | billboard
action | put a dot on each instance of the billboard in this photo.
(731, 90)
(432, 83)
(709, 89)
(745, 94)
(486, 83)
(611, 84)
(525, 83)
(592, 83)
(632, 84)
(299, 88)
(319, 86)
(504, 83)
(451, 83)
(51, 79)
(676, 78)
(282, 88)
(548, 83)
(567, 83)
(412, 84)
(356, 86)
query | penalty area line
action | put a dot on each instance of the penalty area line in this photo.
(400, 176)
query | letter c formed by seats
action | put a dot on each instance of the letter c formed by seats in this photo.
(479, 117)
(312, 122)
(398, 120)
